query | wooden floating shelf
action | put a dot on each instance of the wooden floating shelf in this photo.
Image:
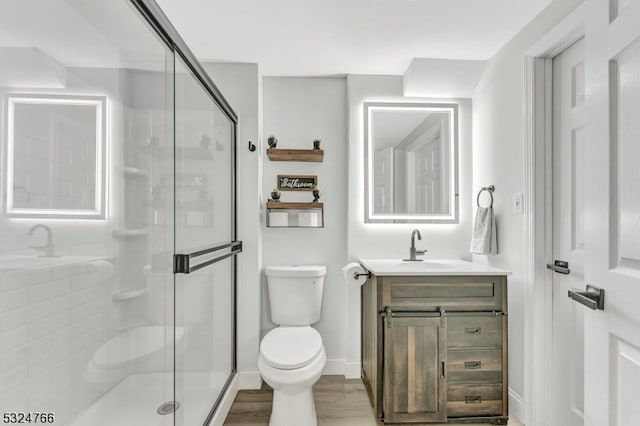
(307, 155)
(283, 206)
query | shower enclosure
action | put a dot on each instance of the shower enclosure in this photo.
(117, 225)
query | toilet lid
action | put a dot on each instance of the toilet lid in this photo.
(290, 347)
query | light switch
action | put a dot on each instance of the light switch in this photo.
(516, 202)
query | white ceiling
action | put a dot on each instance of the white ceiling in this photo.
(326, 37)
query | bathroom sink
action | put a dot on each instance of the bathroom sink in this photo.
(435, 267)
(424, 265)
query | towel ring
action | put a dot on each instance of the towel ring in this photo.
(490, 190)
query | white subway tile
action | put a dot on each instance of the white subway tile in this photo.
(12, 319)
(67, 271)
(60, 337)
(78, 328)
(39, 311)
(59, 354)
(85, 311)
(38, 347)
(13, 359)
(25, 278)
(13, 300)
(13, 338)
(91, 338)
(62, 370)
(85, 280)
(23, 316)
(38, 368)
(60, 303)
(50, 290)
(15, 399)
(49, 324)
(13, 378)
(39, 379)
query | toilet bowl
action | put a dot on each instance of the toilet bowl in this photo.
(292, 355)
(291, 361)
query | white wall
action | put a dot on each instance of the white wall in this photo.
(498, 159)
(296, 111)
(393, 240)
(241, 86)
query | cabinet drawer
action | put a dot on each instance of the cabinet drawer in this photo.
(451, 293)
(466, 400)
(474, 331)
(474, 366)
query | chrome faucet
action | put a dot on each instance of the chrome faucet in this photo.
(412, 250)
(48, 246)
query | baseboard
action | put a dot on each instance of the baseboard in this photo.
(340, 367)
(516, 406)
(334, 367)
(249, 380)
(225, 403)
(352, 369)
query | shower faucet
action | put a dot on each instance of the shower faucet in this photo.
(412, 250)
(47, 248)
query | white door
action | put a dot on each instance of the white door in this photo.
(612, 212)
(428, 178)
(568, 234)
(383, 181)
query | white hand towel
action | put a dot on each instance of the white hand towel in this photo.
(484, 239)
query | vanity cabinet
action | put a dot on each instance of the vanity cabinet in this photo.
(414, 378)
(434, 348)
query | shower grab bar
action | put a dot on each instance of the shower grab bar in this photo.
(182, 262)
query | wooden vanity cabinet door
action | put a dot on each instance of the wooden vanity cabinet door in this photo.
(415, 389)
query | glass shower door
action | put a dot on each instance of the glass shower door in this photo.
(86, 226)
(205, 248)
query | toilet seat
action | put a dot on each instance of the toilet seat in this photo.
(288, 348)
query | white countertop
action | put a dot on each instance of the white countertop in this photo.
(429, 267)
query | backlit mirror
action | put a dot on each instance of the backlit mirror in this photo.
(411, 170)
(55, 156)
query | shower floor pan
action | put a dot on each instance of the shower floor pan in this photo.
(135, 401)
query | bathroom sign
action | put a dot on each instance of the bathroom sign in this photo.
(297, 182)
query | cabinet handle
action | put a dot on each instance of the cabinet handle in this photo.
(473, 399)
(442, 370)
(472, 365)
(472, 330)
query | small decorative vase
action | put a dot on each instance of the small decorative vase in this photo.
(205, 141)
(316, 195)
(275, 196)
(272, 141)
(316, 144)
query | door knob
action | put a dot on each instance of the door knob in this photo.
(559, 266)
(593, 298)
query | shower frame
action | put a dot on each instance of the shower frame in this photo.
(156, 18)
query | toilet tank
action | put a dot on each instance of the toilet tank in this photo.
(295, 294)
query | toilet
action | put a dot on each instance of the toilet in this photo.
(292, 355)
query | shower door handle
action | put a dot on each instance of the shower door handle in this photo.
(182, 262)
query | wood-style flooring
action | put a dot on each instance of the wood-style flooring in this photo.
(339, 402)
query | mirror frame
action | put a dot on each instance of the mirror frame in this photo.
(448, 107)
(100, 105)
